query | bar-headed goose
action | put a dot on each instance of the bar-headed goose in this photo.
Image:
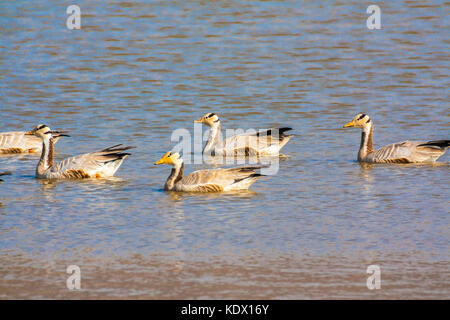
(212, 180)
(265, 142)
(18, 142)
(99, 164)
(402, 152)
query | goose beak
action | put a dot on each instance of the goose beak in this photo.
(29, 133)
(199, 120)
(165, 159)
(350, 124)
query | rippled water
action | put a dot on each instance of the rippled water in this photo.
(138, 70)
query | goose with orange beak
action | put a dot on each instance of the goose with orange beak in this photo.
(402, 152)
(99, 164)
(264, 142)
(212, 180)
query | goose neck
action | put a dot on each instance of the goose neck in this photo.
(213, 139)
(175, 175)
(46, 160)
(366, 146)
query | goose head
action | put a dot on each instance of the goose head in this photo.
(44, 132)
(210, 119)
(361, 120)
(171, 158)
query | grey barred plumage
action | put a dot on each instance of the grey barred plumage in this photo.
(260, 143)
(17, 142)
(403, 152)
(211, 180)
(99, 164)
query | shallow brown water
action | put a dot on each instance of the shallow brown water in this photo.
(251, 276)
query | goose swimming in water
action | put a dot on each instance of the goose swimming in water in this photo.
(265, 142)
(18, 142)
(212, 180)
(402, 152)
(99, 164)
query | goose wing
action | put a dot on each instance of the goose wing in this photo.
(431, 150)
(104, 163)
(410, 151)
(217, 179)
(18, 142)
(265, 140)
